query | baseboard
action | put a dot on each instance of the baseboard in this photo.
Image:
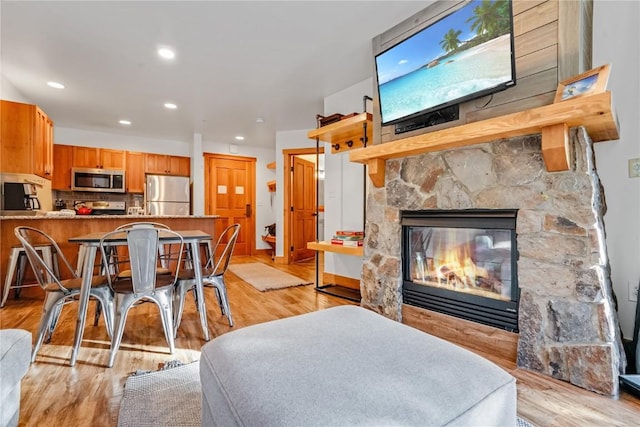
(485, 340)
(347, 282)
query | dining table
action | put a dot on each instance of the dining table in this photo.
(91, 243)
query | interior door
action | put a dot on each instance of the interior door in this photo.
(303, 206)
(230, 193)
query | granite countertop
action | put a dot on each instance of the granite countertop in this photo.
(136, 217)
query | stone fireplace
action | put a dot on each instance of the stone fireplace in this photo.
(568, 327)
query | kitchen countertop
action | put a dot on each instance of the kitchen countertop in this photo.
(134, 217)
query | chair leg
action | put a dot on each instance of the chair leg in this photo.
(178, 304)
(53, 323)
(12, 263)
(52, 305)
(123, 303)
(163, 300)
(104, 304)
(221, 292)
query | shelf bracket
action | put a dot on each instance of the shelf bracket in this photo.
(555, 147)
(376, 171)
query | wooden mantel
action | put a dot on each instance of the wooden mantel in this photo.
(594, 112)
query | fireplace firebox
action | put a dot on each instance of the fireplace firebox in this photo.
(462, 263)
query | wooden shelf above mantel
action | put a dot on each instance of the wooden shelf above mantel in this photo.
(345, 134)
(594, 112)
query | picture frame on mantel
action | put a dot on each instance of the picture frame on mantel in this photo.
(588, 83)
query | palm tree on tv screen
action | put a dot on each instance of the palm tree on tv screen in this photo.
(450, 40)
(491, 19)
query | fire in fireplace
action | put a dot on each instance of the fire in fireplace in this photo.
(462, 263)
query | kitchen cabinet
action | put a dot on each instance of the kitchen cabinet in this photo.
(26, 140)
(167, 165)
(100, 158)
(62, 164)
(135, 172)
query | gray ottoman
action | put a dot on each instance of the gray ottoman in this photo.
(347, 366)
(15, 358)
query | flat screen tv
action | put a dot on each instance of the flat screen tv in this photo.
(464, 55)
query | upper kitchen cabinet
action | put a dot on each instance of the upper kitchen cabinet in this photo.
(100, 158)
(26, 142)
(135, 172)
(167, 165)
(62, 164)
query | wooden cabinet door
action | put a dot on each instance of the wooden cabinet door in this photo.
(49, 147)
(135, 172)
(155, 163)
(179, 165)
(42, 144)
(62, 164)
(17, 133)
(86, 157)
(112, 159)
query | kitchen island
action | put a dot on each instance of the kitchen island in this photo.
(61, 228)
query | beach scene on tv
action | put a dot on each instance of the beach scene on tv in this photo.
(467, 52)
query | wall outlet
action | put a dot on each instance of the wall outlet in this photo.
(634, 168)
(633, 291)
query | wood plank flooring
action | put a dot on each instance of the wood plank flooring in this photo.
(53, 393)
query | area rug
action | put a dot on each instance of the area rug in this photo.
(264, 278)
(171, 397)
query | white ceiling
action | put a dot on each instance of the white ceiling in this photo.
(236, 60)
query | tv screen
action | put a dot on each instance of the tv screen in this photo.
(466, 54)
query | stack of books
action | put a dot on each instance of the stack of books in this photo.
(348, 238)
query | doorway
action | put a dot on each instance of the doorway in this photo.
(230, 193)
(300, 213)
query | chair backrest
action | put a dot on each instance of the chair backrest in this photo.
(143, 224)
(224, 249)
(45, 275)
(143, 241)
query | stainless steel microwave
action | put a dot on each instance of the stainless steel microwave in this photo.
(102, 180)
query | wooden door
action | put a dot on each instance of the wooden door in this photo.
(42, 145)
(303, 208)
(63, 161)
(230, 193)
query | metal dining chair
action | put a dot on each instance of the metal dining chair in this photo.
(58, 291)
(144, 283)
(212, 276)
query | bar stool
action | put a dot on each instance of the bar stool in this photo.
(17, 265)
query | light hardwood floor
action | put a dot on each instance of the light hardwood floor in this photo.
(55, 394)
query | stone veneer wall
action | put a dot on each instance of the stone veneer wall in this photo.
(568, 324)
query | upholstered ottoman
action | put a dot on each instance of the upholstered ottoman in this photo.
(347, 366)
(15, 358)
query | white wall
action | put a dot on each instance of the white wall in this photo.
(615, 40)
(344, 192)
(8, 91)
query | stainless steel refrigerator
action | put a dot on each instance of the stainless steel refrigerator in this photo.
(167, 195)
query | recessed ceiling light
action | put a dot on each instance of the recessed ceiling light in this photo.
(55, 85)
(240, 138)
(124, 122)
(259, 119)
(170, 105)
(166, 53)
